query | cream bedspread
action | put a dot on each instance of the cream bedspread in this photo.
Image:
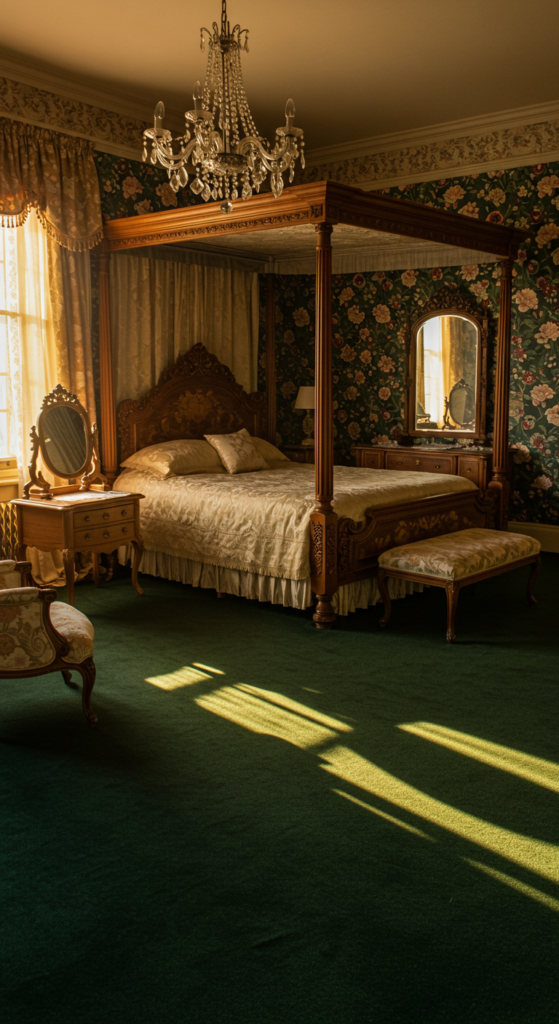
(259, 522)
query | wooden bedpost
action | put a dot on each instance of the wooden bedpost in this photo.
(324, 521)
(109, 458)
(271, 355)
(499, 481)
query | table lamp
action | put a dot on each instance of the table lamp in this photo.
(306, 400)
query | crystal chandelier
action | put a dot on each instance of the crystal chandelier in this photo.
(226, 164)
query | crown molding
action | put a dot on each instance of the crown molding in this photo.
(81, 89)
(517, 117)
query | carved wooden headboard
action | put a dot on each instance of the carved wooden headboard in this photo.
(197, 395)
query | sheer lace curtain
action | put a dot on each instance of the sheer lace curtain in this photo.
(160, 309)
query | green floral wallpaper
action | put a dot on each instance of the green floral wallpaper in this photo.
(370, 312)
(129, 188)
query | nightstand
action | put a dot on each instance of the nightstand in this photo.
(305, 453)
(96, 521)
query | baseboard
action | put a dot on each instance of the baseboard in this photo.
(547, 535)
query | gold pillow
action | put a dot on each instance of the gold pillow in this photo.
(268, 451)
(237, 452)
(176, 458)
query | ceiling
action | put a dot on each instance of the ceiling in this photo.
(386, 66)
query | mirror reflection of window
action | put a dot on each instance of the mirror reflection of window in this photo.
(65, 440)
(446, 354)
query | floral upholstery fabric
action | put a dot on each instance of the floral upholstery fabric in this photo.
(9, 578)
(24, 642)
(76, 628)
(176, 458)
(455, 556)
(237, 452)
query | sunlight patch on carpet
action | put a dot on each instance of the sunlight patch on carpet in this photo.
(526, 890)
(383, 814)
(272, 714)
(175, 680)
(540, 857)
(535, 769)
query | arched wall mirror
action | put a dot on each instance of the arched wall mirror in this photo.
(65, 443)
(446, 394)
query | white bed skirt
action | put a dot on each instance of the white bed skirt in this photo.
(289, 593)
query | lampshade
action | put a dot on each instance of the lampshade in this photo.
(305, 399)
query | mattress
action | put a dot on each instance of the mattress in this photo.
(258, 522)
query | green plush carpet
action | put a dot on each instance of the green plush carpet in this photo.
(260, 839)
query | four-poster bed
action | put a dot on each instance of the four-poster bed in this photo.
(342, 550)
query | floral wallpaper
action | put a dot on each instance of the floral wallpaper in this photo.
(129, 188)
(370, 312)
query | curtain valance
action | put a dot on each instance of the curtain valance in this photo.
(54, 173)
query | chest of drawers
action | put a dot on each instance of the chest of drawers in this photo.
(475, 466)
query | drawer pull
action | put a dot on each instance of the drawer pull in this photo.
(469, 470)
(106, 534)
(86, 519)
(399, 462)
(417, 462)
(437, 465)
(106, 515)
(86, 536)
(124, 512)
(125, 529)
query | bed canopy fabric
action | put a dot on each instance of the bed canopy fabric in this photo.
(323, 208)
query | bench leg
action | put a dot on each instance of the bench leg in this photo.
(532, 579)
(385, 596)
(452, 594)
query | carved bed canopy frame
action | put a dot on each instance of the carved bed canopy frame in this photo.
(324, 205)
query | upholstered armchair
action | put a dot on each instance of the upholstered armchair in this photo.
(39, 634)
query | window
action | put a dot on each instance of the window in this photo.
(4, 325)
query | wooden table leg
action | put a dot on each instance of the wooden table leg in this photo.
(138, 549)
(96, 573)
(110, 566)
(68, 558)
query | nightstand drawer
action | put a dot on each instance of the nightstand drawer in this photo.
(471, 469)
(419, 463)
(104, 516)
(118, 533)
(372, 460)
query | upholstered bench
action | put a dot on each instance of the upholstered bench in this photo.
(456, 560)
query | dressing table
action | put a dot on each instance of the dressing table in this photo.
(81, 515)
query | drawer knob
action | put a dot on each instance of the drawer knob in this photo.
(105, 515)
(125, 529)
(124, 512)
(437, 465)
(106, 534)
(86, 519)
(469, 470)
(86, 536)
(399, 462)
(417, 462)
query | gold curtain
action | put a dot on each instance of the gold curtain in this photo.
(56, 175)
(69, 284)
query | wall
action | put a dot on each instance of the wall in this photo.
(370, 311)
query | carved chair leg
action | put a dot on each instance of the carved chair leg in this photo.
(385, 597)
(532, 579)
(67, 676)
(324, 616)
(452, 594)
(87, 670)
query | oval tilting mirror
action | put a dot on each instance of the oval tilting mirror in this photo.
(446, 374)
(65, 444)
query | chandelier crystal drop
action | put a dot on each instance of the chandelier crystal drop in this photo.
(221, 142)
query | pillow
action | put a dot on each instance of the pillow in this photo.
(268, 451)
(176, 458)
(237, 451)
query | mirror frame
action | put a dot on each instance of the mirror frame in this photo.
(448, 302)
(89, 471)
